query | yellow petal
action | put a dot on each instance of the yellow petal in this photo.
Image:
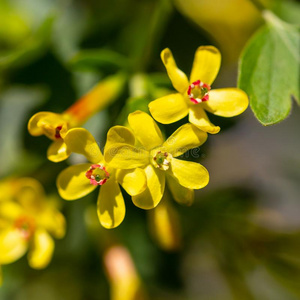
(10, 210)
(73, 184)
(155, 189)
(119, 135)
(189, 174)
(145, 129)
(30, 194)
(41, 250)
(12, 245)
(184, 138)
(58, 151)
(178, 78)
(181, 194)
(165, 225)
(46, 123)
(81, 141)
(111, 206)
(134, 181)
(124, 156)
(168, 109)
(33, 127)
(198, 117)
(53, 221)
(226, 102)
(206, 64)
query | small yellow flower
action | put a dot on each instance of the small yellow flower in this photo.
(55, 126)
(158, 160)
(27, 222)
(195, 96)
(79, 180)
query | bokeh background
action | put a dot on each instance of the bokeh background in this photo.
(240, 239)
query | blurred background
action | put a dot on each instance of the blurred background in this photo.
(241, 237)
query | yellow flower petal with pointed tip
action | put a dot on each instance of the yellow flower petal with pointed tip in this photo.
(189, 174)
(169, 109)
(12, 245)
(178, 78)
(145, 129)
(152, 195)
(181, 194)
(81, 141)
(134, 181)
(110, 206)
(57, 151)
(42, 249)
(206, 64)
(123, 156)
(228, 102)
(184, 138)
(198, 117)
(119, 135)
(73, 184)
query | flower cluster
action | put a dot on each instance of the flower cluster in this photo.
(28, 221)
(137, 157)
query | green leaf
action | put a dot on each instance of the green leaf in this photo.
(30, 49)
(15, 105)
(97, 59)
(269, 70)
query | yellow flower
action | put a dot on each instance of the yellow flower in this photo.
(195, 96)
(27, 222)
(158, 160)
(79, 180)
(55, 126)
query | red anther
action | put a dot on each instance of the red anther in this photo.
(57, 132)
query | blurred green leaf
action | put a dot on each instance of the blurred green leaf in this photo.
(97, 59)
(289, 11)
(31, 48)
(15, 105)
(269, 70)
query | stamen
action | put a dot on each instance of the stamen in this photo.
(57, 132)
(97, 174)
(198, 92)
(162, 160)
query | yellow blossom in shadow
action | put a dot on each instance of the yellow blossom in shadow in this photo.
(164, 225)
(124, 280)
(28, 223)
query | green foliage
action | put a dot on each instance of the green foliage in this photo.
(98, 59)
(29, 49)
(269, 70)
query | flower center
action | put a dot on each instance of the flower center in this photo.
(26, 226)
(97, 174)
(162, 160)
(198, 92)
